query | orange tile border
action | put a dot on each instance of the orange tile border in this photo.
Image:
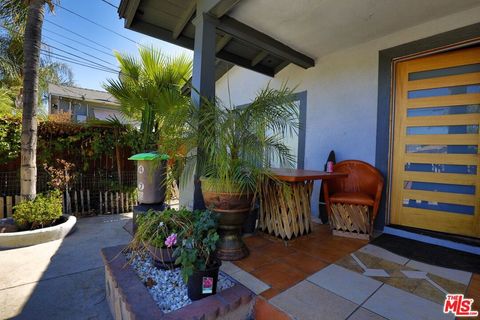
(279, 275)
(270, 293)
(266, 311)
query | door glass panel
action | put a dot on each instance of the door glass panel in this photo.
(444, 72)
(467, 129)
(444, 149)
(447, 91)
(439, 187)
(441, 168)
(440, 206)
(442, 111)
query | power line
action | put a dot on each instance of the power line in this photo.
(76, 41)
(109, 3)
(77, 34)
(98, 24)
(74, 61)
(85, 53)
(77, 56)
(54, 57)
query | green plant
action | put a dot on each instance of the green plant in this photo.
(150, 90)
(198, 242)
(9, 138)
(41, 212)
(238, 144)
(155, 227)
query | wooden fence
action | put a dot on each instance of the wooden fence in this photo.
(83, 203)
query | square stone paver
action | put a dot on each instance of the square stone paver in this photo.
(251, 282)
(307, 301)
(364, 314)
(451, 274)
(384, 254)
(396, 304)
(348, 284)
(229, 268)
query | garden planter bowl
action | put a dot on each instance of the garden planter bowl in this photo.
(162, 257)
(37, 236)
(232, 209)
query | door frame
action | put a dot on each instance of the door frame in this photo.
(459, 38)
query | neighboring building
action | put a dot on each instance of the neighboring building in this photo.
(82, 103)
(392, 83)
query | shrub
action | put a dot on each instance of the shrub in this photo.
(196, 250)
(41, 212)
(155, 227)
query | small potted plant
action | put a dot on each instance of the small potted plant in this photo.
(196, 255)
(158, 233)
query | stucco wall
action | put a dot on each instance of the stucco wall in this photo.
(341, 93)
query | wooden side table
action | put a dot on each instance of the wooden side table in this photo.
(285, 209)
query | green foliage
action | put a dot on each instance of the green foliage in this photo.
(149, 89)
(196, 250)
(10, 132)
(41, 212)
(12, 57)
(154, 227)
(7, 104)
(239, 144)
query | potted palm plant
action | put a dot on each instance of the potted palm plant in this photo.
(237, 146)
(158, 233)
(196, 255)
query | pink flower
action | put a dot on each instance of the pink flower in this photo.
(171, 240)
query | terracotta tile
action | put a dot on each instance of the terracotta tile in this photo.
(279, 275)
(474, 292)
(266, 311)
(304, 262)
(255, 241)
(255, 259)
(277, 249)
(270, 293)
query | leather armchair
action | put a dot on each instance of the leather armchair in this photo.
(363, 186)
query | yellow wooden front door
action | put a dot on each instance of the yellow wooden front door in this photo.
(436, 161)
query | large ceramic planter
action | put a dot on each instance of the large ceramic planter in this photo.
(37, 236)
(202, 284)
(162, 257)
(232, 209)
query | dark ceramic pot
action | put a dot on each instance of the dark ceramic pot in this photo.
(202, 284)
(162, 257)
(232, 209)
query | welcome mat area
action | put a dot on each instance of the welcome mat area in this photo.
(429, 253)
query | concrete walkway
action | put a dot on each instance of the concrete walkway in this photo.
(61, 279)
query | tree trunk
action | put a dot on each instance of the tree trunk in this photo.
(31, 49)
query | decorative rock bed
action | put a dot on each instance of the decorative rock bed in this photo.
(32, 237)
(129, 297)
(167, 287)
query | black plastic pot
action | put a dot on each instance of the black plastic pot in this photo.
(202, 284)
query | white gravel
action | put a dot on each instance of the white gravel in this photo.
(167, 287)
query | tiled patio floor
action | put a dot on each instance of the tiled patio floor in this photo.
(320, 276)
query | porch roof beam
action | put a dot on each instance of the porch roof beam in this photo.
(185, 19)
(260, 40)
(223, 7)
(223, 42)
(161, 33)
(259, 57)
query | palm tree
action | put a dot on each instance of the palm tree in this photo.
(31, 50)
(31, 11)
(149, 89)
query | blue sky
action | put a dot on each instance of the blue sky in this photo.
(103, 14)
